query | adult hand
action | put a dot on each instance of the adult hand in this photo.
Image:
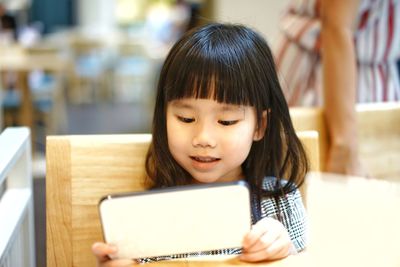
(343, 159)
(267, 240)
(102, 250)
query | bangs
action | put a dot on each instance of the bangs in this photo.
(213, 68)
(215, 81)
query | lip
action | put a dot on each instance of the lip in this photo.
(204, 163)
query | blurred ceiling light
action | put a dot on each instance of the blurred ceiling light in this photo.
(128, 11)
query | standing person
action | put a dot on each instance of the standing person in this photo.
(336, 54)
(8, 78)
(8, 27)
(220, 115)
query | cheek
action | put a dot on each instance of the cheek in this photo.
(174, 130)
(246, 134)
(176, 138)
(240, 141)
(171, 135)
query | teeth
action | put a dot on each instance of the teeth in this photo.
(204, 159)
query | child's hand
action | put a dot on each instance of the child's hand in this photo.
(267, 240)
(102, 250)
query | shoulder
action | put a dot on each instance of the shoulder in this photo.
(290, 202)
(270, 184)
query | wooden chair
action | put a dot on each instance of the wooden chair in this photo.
(378, 133)
(82, 169)
(306, 119)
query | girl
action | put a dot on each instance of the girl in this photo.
(220, 115)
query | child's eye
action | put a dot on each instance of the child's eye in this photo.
(185, 120)
(227, 123)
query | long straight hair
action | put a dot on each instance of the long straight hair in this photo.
(230, 64)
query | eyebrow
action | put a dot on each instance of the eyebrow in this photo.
(179, 104)
(232, 108)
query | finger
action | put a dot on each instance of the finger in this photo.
(278, 249)
(102, 250)
(258, 230)
(272, 253)
(264, 241)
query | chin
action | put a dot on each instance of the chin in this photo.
(200, 180)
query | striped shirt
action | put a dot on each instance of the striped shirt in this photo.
(377, 46)
(291, 211)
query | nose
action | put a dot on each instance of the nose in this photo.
(204, 136)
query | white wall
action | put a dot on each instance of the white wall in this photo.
(96, 15)
(262, 15)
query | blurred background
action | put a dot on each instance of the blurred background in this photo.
(91, 66)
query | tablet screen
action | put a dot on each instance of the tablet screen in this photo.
(177, 220)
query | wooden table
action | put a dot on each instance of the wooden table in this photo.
(15, 58)
(353, 221)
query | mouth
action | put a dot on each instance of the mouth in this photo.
(204, 159)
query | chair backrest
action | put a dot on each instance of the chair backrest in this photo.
(17, 238)
(312, 119)
(378, 134)
(82, 169)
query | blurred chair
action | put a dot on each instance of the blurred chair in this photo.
(133, 73)
(10, 98)
(46, 89)
(378, 133)
(17, 239)
(10, 102)
(48, 95)
(82, 169)
(90, 78)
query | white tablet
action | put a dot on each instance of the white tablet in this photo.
(176, 220)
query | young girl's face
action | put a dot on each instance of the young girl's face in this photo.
(211, 140)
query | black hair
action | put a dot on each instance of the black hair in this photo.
(231, 64)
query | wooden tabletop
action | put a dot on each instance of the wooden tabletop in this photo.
(18, 59)
(353, 221)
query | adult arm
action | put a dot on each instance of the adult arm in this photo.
(340, 84)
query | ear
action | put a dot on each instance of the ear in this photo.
(260, 131)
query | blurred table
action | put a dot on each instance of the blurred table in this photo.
(20, 60)
(353, 221)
